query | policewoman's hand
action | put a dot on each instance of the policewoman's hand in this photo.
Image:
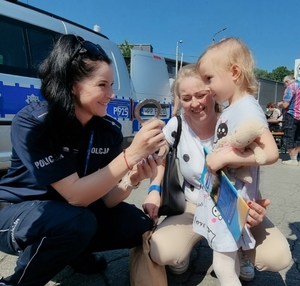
(147, 140)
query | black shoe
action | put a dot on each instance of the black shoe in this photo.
(91, 264)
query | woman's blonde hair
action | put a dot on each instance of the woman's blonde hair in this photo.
(229, 52)
(188, 71)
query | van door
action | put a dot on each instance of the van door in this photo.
(150, 80)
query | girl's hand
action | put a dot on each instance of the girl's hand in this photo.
(257, 212)
(213, 162)
(218, 159)
(152, 204)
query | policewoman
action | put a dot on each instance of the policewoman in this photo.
(61, 200)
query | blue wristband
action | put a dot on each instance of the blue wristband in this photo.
(154, 188)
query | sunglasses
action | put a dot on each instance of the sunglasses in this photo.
(89, 47)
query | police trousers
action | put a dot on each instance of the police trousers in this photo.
(49, 235)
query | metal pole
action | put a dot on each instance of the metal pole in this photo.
(176, 64)
(276, 90)
(181, 59)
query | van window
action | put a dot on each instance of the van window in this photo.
(23, 46)
(40, 45)
(12, 46)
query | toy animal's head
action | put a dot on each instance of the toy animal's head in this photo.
(246, 132)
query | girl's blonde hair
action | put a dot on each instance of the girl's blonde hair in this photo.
(229, 52)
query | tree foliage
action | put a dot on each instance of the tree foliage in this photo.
(126, 51)
(277, 74)
(261, 73)
(126, 48)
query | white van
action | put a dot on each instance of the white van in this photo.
(27, 35)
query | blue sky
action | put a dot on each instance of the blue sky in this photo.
(269, 28)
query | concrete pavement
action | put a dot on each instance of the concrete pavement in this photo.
(280, 183)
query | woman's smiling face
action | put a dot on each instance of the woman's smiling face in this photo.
(92, 94)
(195, 98)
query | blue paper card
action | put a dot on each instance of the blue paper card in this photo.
(231, 205)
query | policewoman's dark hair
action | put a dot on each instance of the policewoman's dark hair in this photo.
(71, 60)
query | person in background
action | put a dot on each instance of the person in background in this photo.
(291, 106)
(173, 240)
(61, 200)
(228, 70)
(274, 116)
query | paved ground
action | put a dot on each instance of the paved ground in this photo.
(280, 183)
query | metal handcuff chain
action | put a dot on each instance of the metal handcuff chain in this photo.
(162, 152)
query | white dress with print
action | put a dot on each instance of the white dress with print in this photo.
(207, 221)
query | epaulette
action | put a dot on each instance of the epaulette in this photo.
(37, 110)
(109, 121)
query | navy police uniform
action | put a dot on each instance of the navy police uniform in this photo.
(36, 223)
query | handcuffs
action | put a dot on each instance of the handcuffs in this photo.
(162, 152)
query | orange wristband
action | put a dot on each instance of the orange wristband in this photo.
(124, 150)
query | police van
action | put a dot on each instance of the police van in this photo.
(27, 35)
